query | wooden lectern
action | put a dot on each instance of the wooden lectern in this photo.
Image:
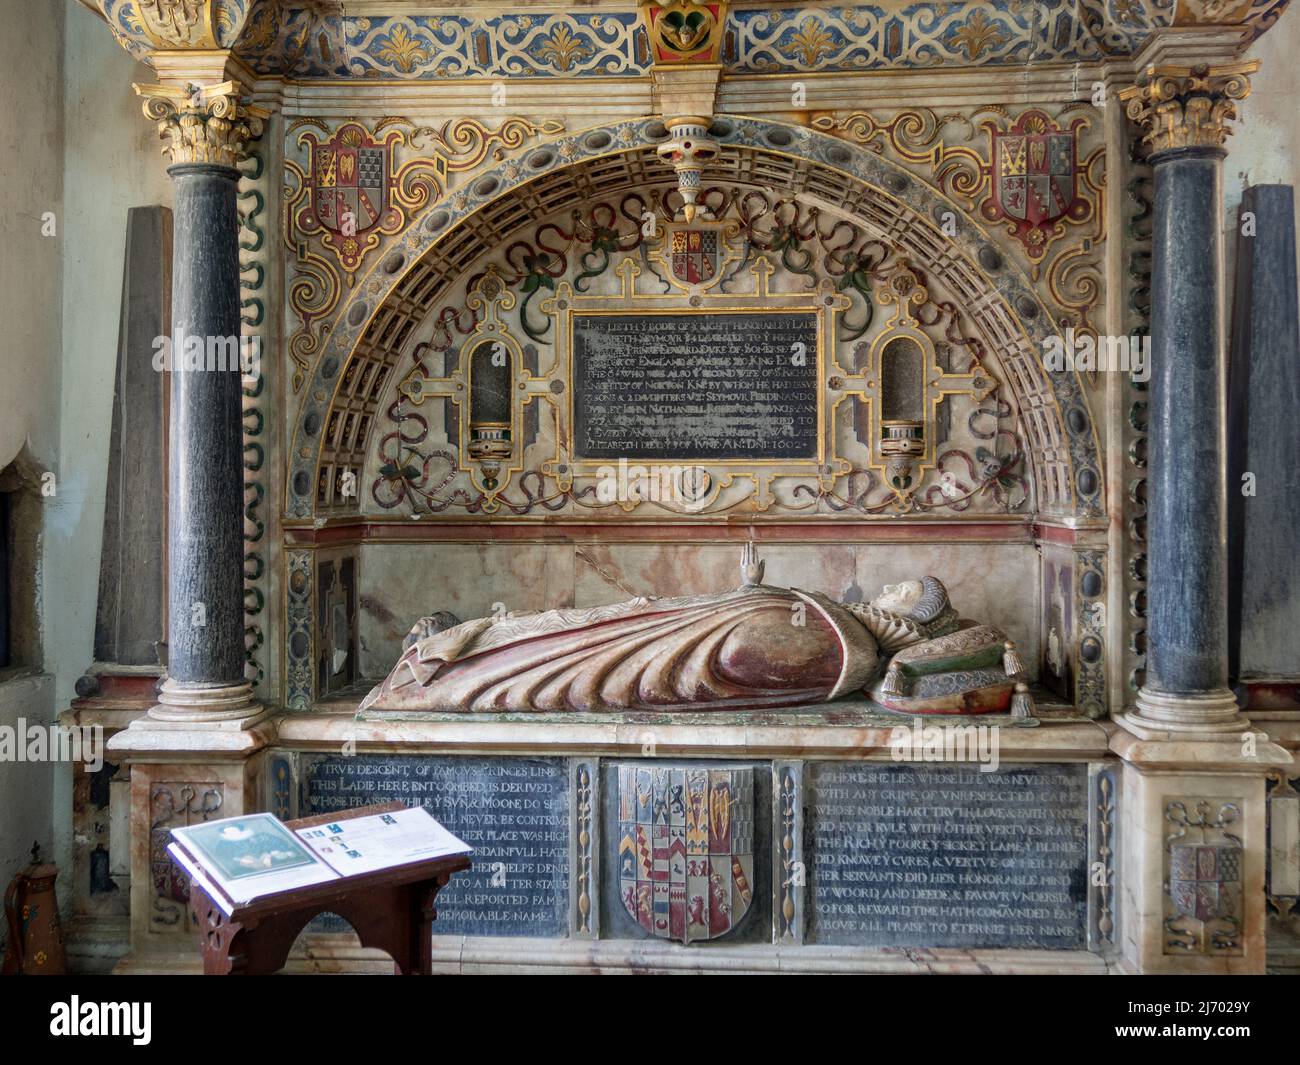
(391, 909)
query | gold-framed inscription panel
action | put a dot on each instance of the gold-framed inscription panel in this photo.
(720, 475)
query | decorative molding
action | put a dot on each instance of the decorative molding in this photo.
(585, 848)
(1137, 316)
(302, 39)
(300, 635)
(175, 24)
(282, 784)
(1282, 890)
(1187, 107)
(1090, 628)
(525, 44)
(203, 124)
(789, 876)
(1103, 821)
(255, 262)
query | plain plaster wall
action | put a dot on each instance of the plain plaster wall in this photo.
(76, 144)
(31, 169)
(112, 162)
(1263, 148)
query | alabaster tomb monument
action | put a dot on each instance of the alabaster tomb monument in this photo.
(914, 314)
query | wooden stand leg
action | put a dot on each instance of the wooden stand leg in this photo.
(397, 919)
(423, 914)
(217, 934)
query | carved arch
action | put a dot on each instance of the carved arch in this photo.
(406, 282)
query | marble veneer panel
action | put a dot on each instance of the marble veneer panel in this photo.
(403, 582)
(993, 583)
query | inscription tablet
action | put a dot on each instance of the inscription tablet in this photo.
(947, 856)
(512, 811)
(696, 385)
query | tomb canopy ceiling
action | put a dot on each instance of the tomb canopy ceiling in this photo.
(355, 375)
(386, 40)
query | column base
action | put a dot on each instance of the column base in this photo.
(194, 724)
(1211, 715)
(202, 704)
(197, 756)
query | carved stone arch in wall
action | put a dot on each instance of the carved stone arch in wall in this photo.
(386, 306)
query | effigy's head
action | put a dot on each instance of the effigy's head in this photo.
(898, 598)
(923, 600)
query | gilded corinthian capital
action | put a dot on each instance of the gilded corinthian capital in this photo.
(203, 125)
(1187, 107)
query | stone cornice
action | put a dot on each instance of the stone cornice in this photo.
(397, 42)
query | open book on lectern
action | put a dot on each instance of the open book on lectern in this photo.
(246, 858)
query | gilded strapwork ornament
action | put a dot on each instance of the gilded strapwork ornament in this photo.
(684, 31)
(1187, 107)
(212, 124)
(355, 192)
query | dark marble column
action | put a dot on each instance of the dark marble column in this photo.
(205, 637)
(1185, 114)
(209, 130)
(1187, 647)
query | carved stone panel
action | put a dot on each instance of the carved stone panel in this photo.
(1204, 854)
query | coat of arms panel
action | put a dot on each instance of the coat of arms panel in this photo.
(685, 848)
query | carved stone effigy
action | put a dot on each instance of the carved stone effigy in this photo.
(481, 320)
(756, 647)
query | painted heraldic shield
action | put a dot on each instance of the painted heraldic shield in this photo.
(1036, 174)
(695, 254)
(349, 181)
(686, 848)
(1204, 879)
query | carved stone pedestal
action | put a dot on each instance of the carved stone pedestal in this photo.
(180, 775)
(1192, 852)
